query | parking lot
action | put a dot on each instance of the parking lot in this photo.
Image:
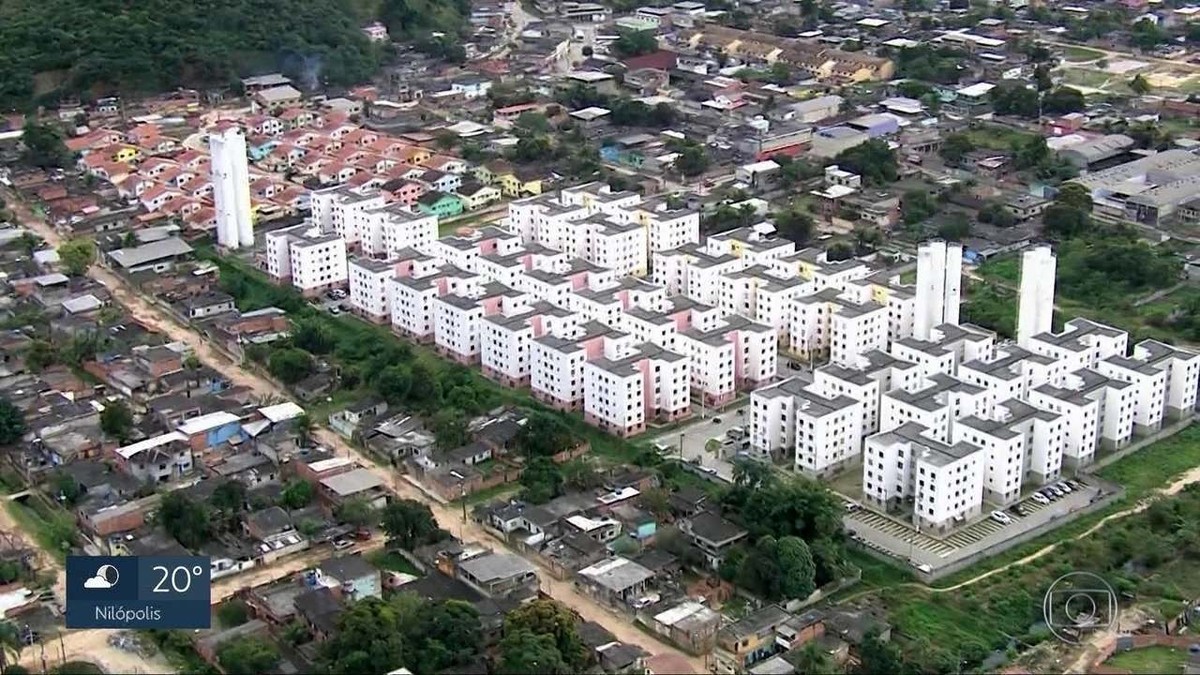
(901, 540)
(334, 302)
(695, 436)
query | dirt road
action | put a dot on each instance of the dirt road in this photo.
(448, 517)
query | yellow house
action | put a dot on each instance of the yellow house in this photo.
(476, 196)
(127, 153)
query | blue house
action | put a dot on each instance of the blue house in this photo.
(211, 430)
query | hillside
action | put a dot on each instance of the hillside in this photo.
(70, 46)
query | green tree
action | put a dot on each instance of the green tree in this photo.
(542, 480)
(39, 355)
(394, 383)
(44, 146)
(297, 493)
(955, 147)
(77, 255)
(797, 569)
(533, 122)
(116, 420)
(524, 652)
(692, 161)
(248, 655)
(1140, 85)
(547, 617)
(544, 435)
(188, 521)
(12, 423)
(956, 227)
(377, 635)
(811, 658)
(357, 512)
(794, 224)
(410, 524)
(312, 336)
(1063, 100)
(449, 427)
(232, 613)
(1015, 98)
(290, 365)
(873, 160)
(916, 206)
(635, 43)
(229, 497)
(65, 488)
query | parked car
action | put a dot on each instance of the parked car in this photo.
(1001, 517)
(1048, 494)
(1063, 486)
(342, 544)
(716, 420)
(1055, 491)
(1040, 498)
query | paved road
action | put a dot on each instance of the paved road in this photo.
(447, 516)
(694, 437)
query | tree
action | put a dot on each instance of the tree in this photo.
(1146, 35)
(1076, 196)
(541, 480)
(77, 255)
(692, 161)
(232, 613)
(956, 227)
(116, 420)
(357, 512)
(394, 383)
(1015, 98)
(955, 147)
(533, 122)
(812, 659)
(760, 573)
(39, 355)
(752, 475)
(44, 147)
(656, 501)
(635, 43)
(185, 520)
(797, 569)
(229, 498)
(247, 655)
(376, 635)
(1063, 100)
(290, 365)
(544, 435)
(524, 652)
(1041, 77)
(794, 224)
(549, 618)
(12, 423)
(65, 488)
(410, 524)
(303, 424)
(297, 493)
(916, 206)
(449, 428)
(873, 160)
(11, 645)
(312, 336)
(877, 656)
(1140, 85)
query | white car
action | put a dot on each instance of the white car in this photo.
(1001, 517)
(1039, 498)
(1063, 486)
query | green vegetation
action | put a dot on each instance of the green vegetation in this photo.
(1150, 660)
(44, 147)
(392, 562)
(232, 613)
(12, 422)
(1078, 54)
(53, 528)
(75, 668)
(247, 655)
(63, 47)
(1146, 554)
(940, 65)
(116, 420)
(378, 636)
(77, 255)
(873, 160)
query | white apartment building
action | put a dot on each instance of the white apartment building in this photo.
(944, 482)
(506, 339)
(557, 357)
(369, 288)
(867, 381)
(341, 210)
(935, 403)
(1081, 344)
(626, 387)
(1019, 441)
(311, 261)
(829, 322)
(823, 434)
(411, 293)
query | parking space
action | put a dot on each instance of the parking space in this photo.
(334, 302)
(899, 539)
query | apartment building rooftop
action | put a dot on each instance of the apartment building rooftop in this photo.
(937, 452)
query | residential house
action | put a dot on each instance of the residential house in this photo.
(499, 574)
(476, 196)
(616, 581)
(440, 204)
(356, 577)
(713, 535)
(357, 484)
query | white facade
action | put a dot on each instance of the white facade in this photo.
(1035, 313)
(231, 188)
(313, 262)
(939, 285)
(369, 293)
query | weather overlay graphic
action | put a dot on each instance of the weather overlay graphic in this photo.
(133, 592)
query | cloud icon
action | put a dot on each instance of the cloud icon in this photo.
(106, 577)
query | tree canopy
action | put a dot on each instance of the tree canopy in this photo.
(546, 618)
(544, 435)
(156, 45)
(873, 160)
(377, 635)
(247, 655)
(185, 519)
(635, 43)
(410, 524)
(77, 255)
(12, 422)
(43, 146)
(116, 420)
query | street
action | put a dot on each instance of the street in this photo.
(447, 516)
(689, 442)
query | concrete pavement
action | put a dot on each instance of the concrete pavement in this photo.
(690, 442)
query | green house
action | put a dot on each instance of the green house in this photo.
(440, 204)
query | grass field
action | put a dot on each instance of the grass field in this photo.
(1005, 267)
(392, 562)
(1150, 468)
(996, 137)
(1150, 660)
(1077, 54)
